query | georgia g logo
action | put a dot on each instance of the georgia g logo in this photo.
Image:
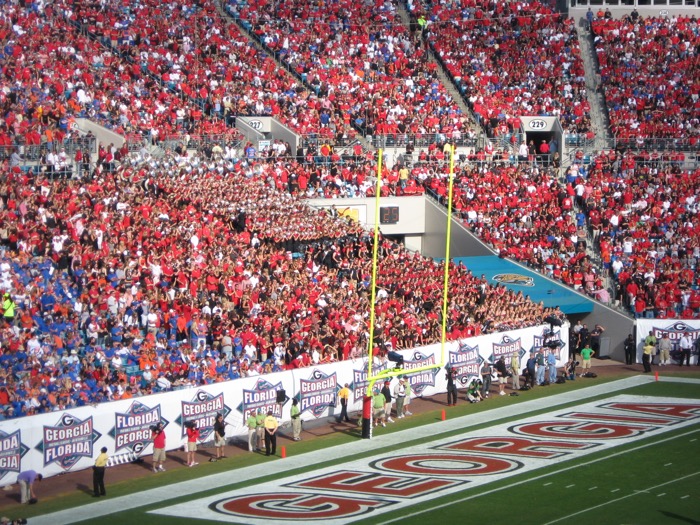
(295, 506)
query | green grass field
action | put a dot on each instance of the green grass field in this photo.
(654, 480)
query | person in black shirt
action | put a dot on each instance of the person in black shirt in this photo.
(630, 350)
(502, 371)
(219, 437)
(451, 377)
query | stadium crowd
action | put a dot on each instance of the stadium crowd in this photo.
(146, 276)
(510, 59)
(373, 73)
(644, 65)
(123, 286)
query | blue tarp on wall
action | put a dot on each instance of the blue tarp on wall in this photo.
(531, 283)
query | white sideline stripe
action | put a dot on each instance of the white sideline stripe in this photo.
(541, 476)
(91, 511)
(621, 498)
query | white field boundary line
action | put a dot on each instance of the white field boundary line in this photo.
(91, 511)
(554, 473)
(635, 493)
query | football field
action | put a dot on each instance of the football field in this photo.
(626, 451)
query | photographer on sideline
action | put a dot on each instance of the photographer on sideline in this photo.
(570, 368)
(158, 437)
(502, 371)
(192, 437)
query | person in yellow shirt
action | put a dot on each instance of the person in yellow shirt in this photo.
(8, 308)
(343, 398)
(270, 434)
(98, 474)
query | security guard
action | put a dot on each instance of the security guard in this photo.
(98, 474)
(270, 424)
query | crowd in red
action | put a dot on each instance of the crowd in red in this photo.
(112, 274)
(132, 281)
(195, 52)
(644, 66)
(639, 212)
(643, 214)
(369, 69)
(510, 59)
(58, 74)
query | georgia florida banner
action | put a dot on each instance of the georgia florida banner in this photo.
(675, 328)
(66, 441)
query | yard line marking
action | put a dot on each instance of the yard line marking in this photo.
(668, 464)
(684, 497)
(536, 478)
(547, 484)
(693, 440)
(662, 494)
(569, 486)
(614, 490)
(620, 499)
(593, 488)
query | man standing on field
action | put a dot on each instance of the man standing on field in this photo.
(586, 354)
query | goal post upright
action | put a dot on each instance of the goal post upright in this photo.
(389, 373)
(446, 282)
(367, 400)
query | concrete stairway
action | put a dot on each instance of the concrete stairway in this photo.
(599, 115)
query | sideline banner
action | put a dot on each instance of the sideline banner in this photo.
(68, 441)
(675, 328)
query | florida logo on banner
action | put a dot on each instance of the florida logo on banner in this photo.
(68, 441)
(318, 393)
(132, 429)
(262, 397)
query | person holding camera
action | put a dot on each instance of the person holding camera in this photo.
(451, 377)
(98, 474)
(502, 372)
(158, 438)
(192, 437)
(570, 368)
(473, 392)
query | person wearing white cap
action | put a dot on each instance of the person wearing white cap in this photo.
(400, 395)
